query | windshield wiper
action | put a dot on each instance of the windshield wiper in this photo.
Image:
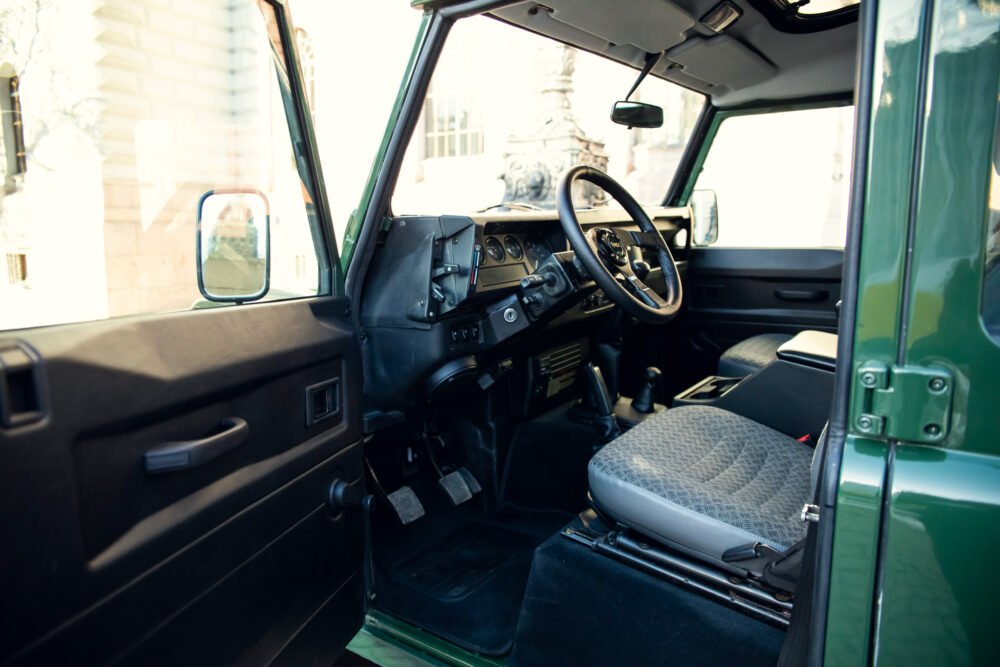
(512, 205)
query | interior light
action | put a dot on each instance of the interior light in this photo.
(721, 16)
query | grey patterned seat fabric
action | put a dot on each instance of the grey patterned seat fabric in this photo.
(704, 480)
(751, 355)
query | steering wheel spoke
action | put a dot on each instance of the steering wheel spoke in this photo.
(648, 240)
(645, 293)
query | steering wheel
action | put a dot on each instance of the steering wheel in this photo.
(604, 251)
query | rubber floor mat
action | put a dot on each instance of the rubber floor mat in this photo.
(465, 561)
(465, 583)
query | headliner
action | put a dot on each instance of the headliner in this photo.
(752, 61)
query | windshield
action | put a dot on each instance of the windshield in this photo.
(508, 111)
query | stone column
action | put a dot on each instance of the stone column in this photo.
(534, 161)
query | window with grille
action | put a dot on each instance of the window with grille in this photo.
(453, 122)
(17, 268)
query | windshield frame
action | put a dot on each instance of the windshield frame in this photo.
(376, 198)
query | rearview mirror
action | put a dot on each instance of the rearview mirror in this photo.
(234, 245)
(636, 114)
(704, 217)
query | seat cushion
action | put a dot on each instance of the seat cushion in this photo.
(704, 480)
(751, 355)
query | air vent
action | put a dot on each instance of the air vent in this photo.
(561, 359)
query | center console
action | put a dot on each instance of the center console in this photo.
(791, 394)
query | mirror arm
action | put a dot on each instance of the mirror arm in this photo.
(651, 60)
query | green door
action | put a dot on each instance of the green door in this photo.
(912, 580)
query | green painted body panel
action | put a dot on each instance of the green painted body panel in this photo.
(416, 642)
(938, 587)
(852, 579)
(939, 581)
(924, 583)
(943, 323)
(881, 270)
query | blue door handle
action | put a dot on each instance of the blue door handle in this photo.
(185, 454)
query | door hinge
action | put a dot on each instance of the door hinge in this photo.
(909, 403)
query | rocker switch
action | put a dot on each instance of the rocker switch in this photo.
(20, 387)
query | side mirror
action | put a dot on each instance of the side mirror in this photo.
(636, 114)
(233, 245)
(704, 217)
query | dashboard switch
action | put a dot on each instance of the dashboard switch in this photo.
(533, 280)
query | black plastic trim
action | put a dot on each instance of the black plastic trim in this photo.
(331, 276)
(689, 158)
(830, 470)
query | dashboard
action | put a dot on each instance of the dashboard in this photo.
(444, 292)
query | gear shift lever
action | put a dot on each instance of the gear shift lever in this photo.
(643, 402)
(597, 407)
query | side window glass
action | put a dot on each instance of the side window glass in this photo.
(991, 274)
(776, 180)
(113, 145)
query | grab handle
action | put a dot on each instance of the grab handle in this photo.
(185, 454)
(801, 294)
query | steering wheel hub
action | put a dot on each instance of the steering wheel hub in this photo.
(611, 249)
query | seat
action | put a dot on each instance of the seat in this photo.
(703, 481)
(750, 355)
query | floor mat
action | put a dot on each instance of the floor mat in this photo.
(546, 466)
(465, 562)
(464, 579)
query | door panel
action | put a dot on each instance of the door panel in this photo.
(221, 563)
(735, 293)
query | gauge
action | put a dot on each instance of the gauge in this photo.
(495, 249)
(536, 250)
(513, 247)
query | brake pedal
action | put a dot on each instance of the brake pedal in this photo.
(406, 504)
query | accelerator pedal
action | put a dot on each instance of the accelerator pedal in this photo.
(470, 480)
(460, 485)
(406, 505)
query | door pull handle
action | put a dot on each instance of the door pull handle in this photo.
(184, 454)
(801, 294)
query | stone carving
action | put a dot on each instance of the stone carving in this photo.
(534, 161)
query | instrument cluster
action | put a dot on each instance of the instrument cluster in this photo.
(530, 249)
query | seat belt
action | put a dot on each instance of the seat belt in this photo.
(795, 649)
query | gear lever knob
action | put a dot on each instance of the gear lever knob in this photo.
(643, 402)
